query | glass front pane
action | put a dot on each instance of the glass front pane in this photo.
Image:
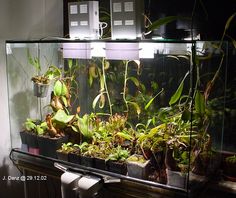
(152, 103)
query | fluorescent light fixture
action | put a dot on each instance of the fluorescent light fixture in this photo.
(175, 48)
(122, 51)
(147, 50)
(98, 49)
(77, 50)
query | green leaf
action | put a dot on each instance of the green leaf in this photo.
(39, 130)
(178, 92)
(44, 125)
(200, 103)
(163, 21)
(136, 106)
(154, 85)
(34, 61)
(62, 117)
(95, 101)
(186, 115)
(125, 135)
(74, 129)
(57, 88)
(102, 101)
(30, 125)
(233, 41)
(229, 21)
(134, 80)
(150, 101)
(52, 72)
(64, 90)
(90, 80)
(83, 124)
(102, 83)
(64, 100)
(70, 63)
(60, 88)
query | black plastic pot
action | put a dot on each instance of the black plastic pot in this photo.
(23, 136)
(49, 146)
(32, 140)
(62, 156)
(117, 167)
(100, 163)
(229, 171)
(87, 161)
(24, 145)
(74, 158)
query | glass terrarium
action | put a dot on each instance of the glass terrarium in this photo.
(158, 111)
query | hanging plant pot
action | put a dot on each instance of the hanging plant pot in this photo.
(40, 90)
(48, 146)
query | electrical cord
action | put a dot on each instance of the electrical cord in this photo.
(102, 26)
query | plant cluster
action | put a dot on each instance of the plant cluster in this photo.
(131, 123)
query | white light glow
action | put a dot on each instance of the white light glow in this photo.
(122, 51)
(147, 50)
(77, 50)
(98, 49)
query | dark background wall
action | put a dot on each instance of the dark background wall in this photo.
(209, 19)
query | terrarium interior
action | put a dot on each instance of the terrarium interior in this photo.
(156, 103)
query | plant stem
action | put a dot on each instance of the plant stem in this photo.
(105, 84)
(125, 84)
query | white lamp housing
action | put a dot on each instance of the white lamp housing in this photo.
(77, 50)
(122, 51)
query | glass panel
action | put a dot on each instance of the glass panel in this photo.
(20, 69)
(157, 103)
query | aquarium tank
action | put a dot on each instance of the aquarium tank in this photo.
(158, 111)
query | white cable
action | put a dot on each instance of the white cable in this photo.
(102, 25)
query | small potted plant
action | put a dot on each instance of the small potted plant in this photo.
(63, 152)
(42, 80)
(100, 154)
(229, 168)
(86, 154)
(116, 160)
(29, 137)
(138, 166)
(177, 167)
(74, 154)
(54, 136)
